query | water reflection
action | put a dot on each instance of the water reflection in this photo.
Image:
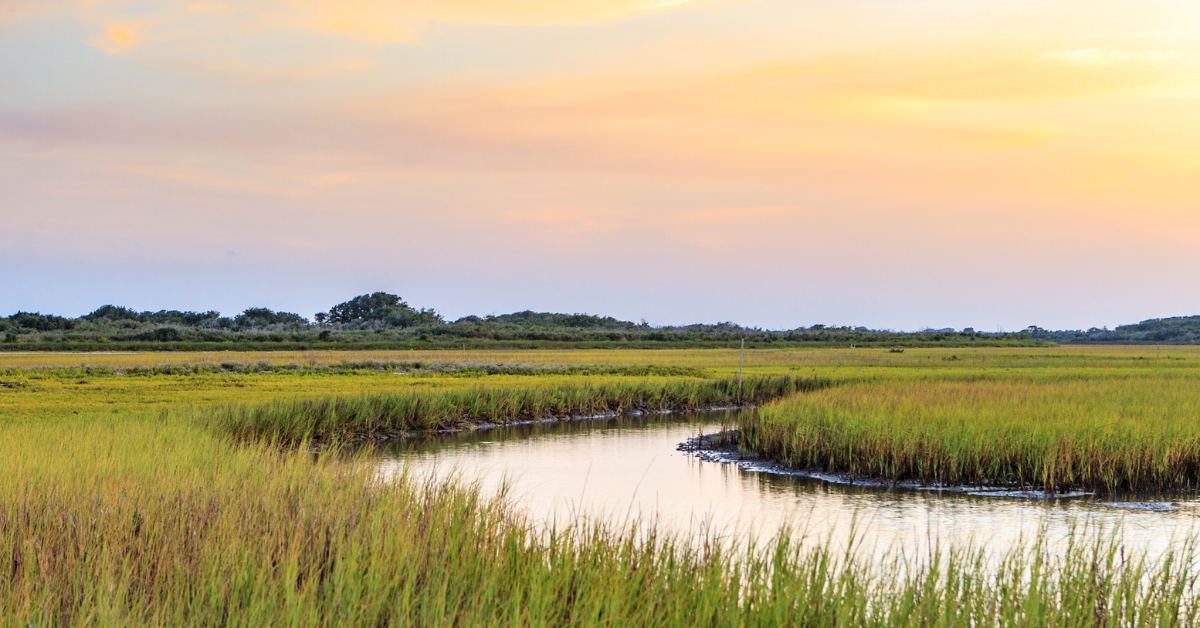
(629, 469)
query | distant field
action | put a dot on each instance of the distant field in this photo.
(53, 388)
(58, 393)
(707, 357)
(727, 358)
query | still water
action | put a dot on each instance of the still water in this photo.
(629, 471)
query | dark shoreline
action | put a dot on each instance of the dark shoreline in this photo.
(473, 427)
(723, 448)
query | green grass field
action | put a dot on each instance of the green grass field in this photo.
(124, 502)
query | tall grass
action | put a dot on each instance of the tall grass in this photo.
(1122, 432)
(153, 522)
(350, 417)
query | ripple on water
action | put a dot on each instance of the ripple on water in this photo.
(1153, 506)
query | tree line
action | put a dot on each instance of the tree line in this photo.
(381, 320)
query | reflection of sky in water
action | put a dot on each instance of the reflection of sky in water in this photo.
(623, 470)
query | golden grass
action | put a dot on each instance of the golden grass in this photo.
(356, 417)
(1075, 356)
(44, 393)
(1109, 419)
(152, 521)
(52, 391)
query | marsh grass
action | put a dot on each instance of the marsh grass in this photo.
(416, 367)
(196, 518)
(355, 417)
(151, 521)
(1124, 432)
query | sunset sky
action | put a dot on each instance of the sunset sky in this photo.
(894, 164)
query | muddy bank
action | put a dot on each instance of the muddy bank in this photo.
(487, 425)
(723, 447)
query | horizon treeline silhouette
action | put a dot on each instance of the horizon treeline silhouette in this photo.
(384, 318)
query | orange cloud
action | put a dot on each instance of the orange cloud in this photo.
(120, 37)
(14, 10)
(208, 7)
(385, 20)
(377, 21)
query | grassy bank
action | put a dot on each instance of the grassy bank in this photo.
(366, 415)
(1054, 429)
(153, 521)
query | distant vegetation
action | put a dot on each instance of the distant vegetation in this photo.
(1174, 330)
(385, 321)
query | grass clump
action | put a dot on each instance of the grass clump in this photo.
(353, 417)
(1124, 432)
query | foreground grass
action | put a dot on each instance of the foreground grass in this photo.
(153, 521)
(1126, 430)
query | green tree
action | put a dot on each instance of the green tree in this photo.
(112, 313)
(40, 322)
(167, 334)
(368, 307)
(261, 317)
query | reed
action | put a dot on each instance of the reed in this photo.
(356, 417)
(154, 522)
(1053, 431)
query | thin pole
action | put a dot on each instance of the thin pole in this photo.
(741, 363)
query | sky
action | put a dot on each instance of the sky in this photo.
(896, 164)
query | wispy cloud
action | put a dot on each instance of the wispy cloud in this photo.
(375, 21)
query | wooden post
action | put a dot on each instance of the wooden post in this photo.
(741, 363)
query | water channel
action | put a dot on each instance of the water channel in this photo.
(630, 470)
